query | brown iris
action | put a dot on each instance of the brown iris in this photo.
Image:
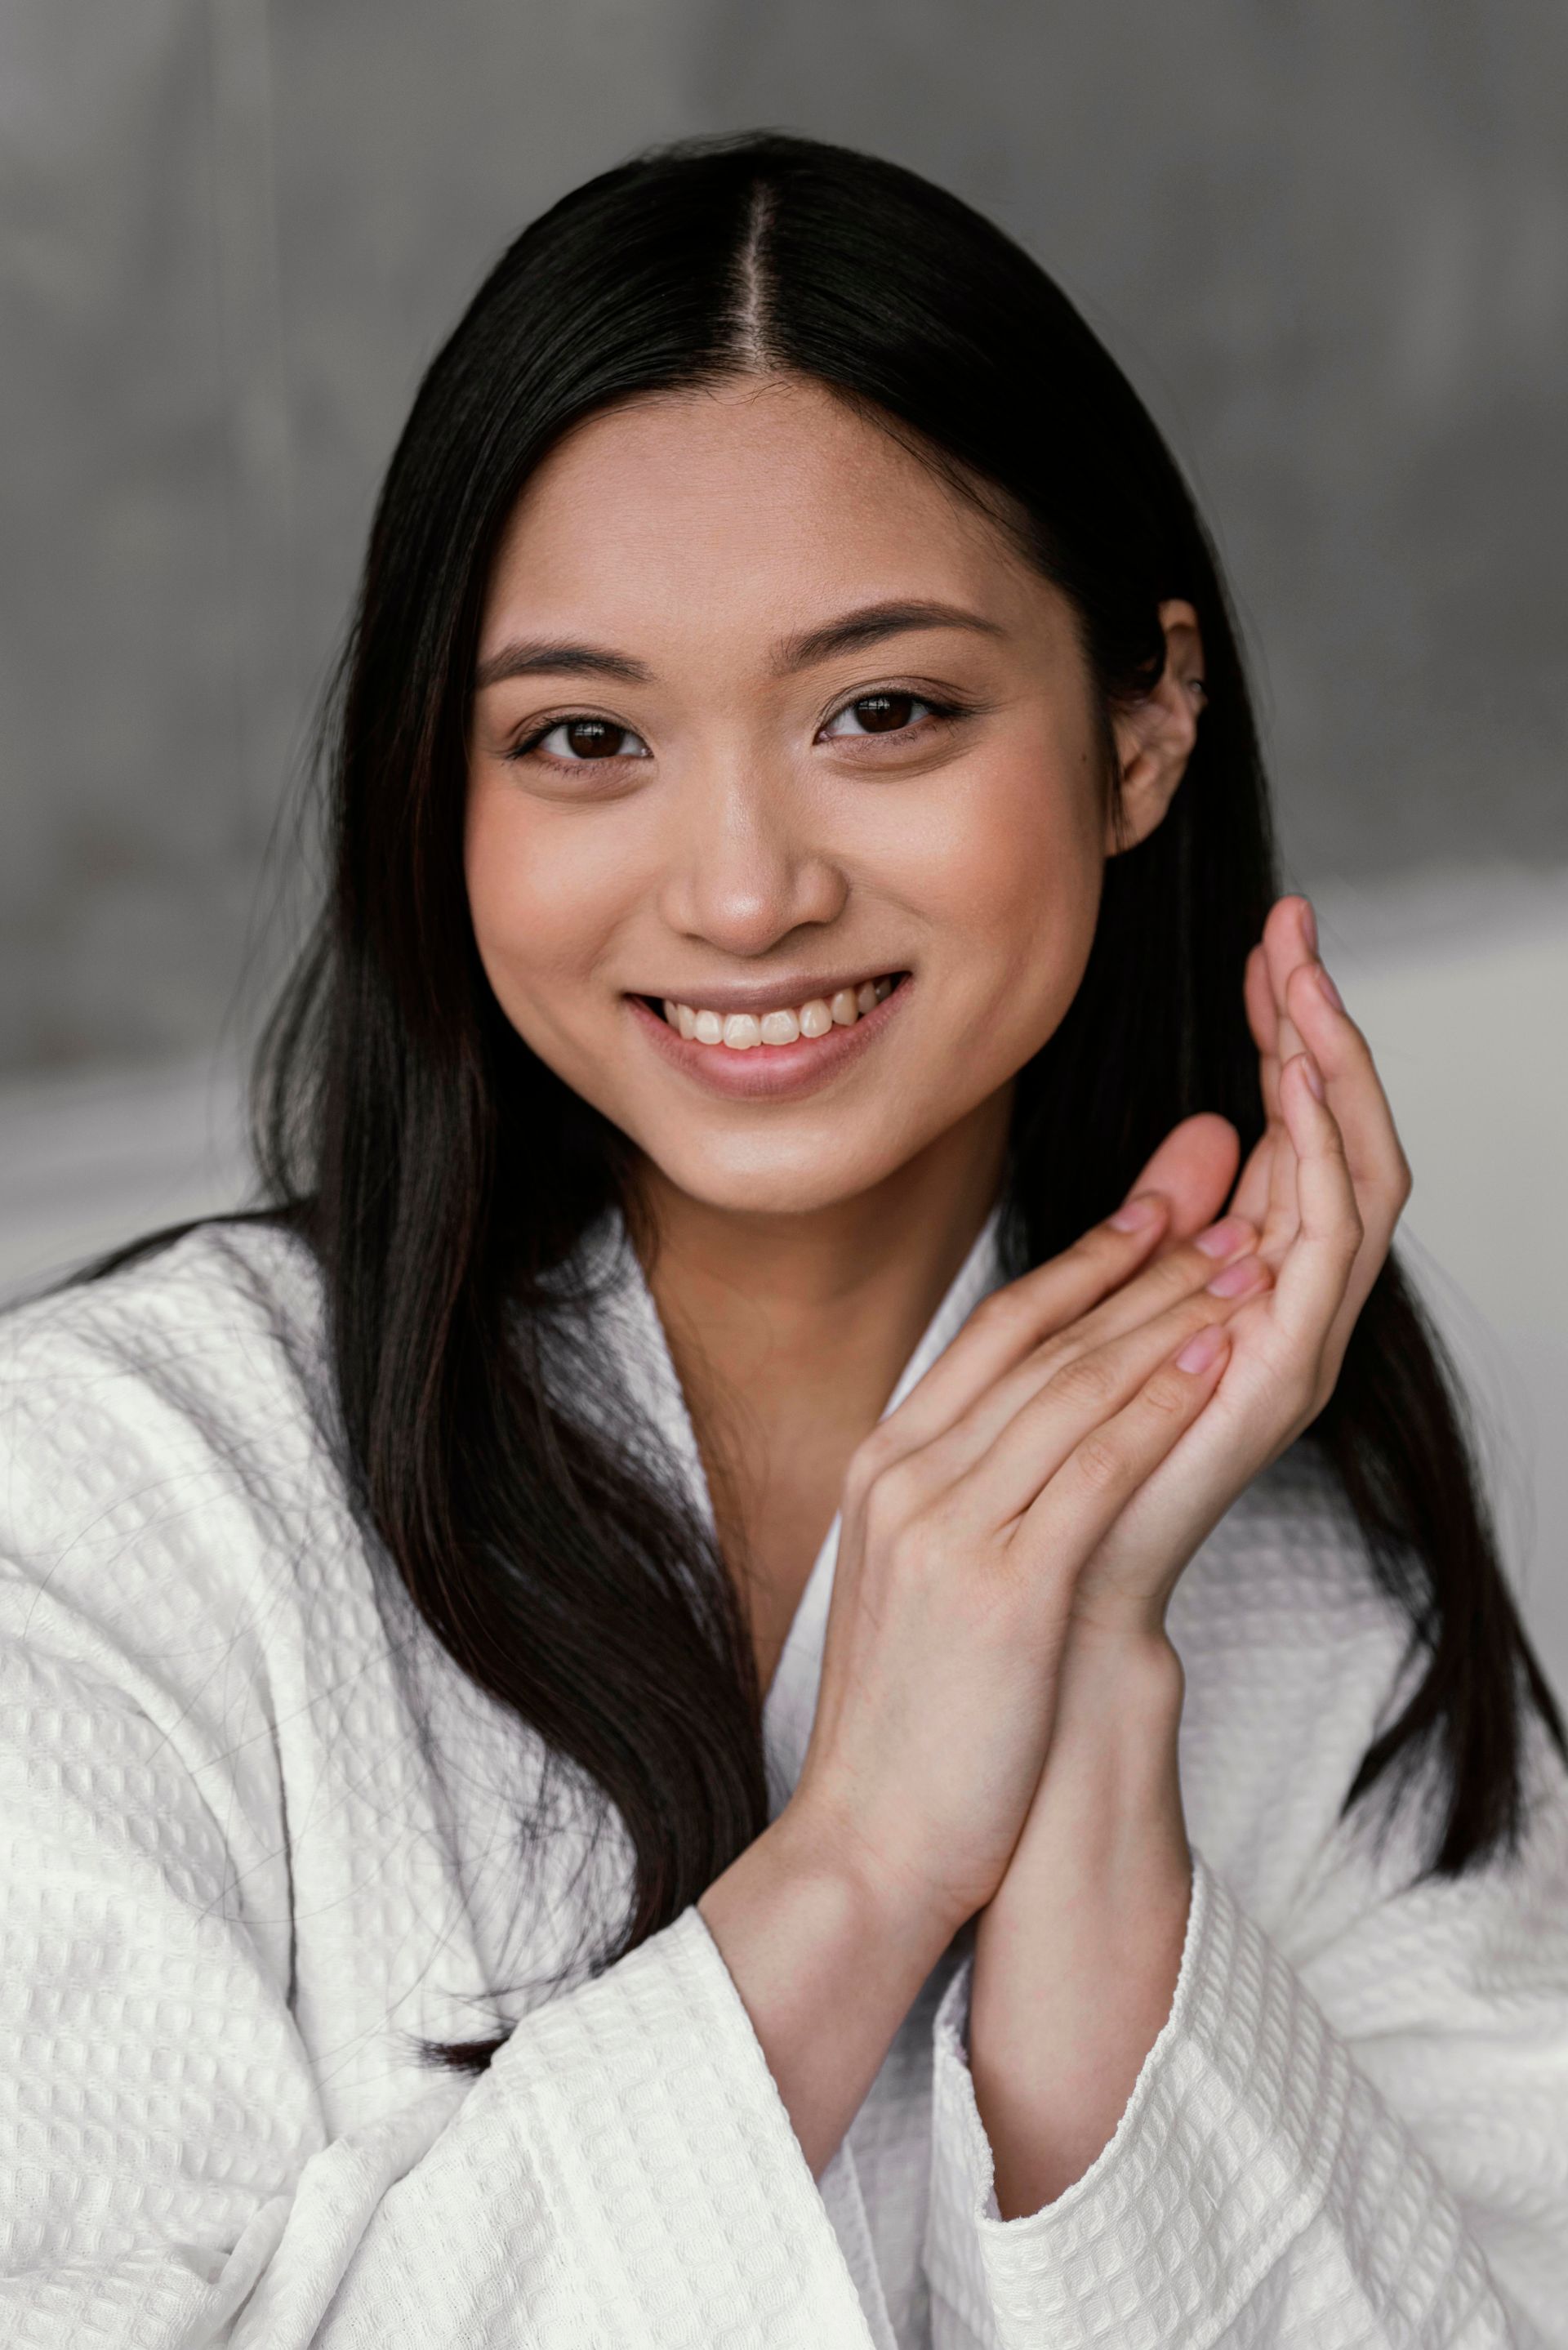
(594, 738)
(884, 713)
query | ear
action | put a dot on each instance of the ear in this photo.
(1155, 736)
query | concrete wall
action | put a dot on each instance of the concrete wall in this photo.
(1331, 244)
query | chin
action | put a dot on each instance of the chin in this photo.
(766, 1184)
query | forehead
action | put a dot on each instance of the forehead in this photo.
(739, 510)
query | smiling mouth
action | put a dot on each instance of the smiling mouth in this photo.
(744, 1031)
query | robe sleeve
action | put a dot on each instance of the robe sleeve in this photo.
(624, 2171)
(1355, 2134)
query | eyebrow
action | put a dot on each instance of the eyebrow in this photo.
(868, 626)
(558, 660)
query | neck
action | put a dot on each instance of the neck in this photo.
(816, 1314)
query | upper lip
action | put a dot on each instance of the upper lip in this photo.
(766, 994)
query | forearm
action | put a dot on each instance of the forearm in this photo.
(1077, 1958)
(825, 1974)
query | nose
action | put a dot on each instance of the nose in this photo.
(743, 866)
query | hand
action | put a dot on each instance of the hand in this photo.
(1077, 1955)
(1327, 1185)
(968, 1517)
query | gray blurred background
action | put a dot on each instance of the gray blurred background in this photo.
(1330, 245)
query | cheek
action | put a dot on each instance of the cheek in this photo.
(1019, 877)
(538, 902)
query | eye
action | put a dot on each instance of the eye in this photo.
(882, 713)
(577, 741)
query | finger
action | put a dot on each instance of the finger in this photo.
(1290, 942)
(1164, 1282)
(995, 1461)
(1254, 1189)
(1311, 1281)
(1379, 1170)
(1075, 1511)
(1378, 1167)
(1263, 1019)
(1013, 1321)
(1251, 1197)
(1281, 1213)
(1194, 1168)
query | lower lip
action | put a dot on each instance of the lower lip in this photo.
(769, 1072)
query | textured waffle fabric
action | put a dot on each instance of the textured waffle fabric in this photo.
(258, 1833)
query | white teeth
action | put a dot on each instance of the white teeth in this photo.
(741, 1030)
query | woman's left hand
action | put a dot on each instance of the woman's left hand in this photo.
(1325, 1187)
(1078, 1954)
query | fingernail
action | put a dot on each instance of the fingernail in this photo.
(1309, 923)
(1201, 1348)
(1139, 1212)
(1226, 1237)
(1329, 989)
(1314, 1076)
(1247, 1272)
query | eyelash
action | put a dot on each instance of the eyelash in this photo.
(942, 712)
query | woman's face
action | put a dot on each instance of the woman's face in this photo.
(765, 713)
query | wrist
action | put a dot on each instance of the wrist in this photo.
(1104, 1850)
(1077, 1956)
(1126, 1685)
(826, 1972)
(875, 1911)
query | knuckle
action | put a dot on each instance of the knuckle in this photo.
(1166, 1395)
(1095, 1246)
(1173, 1277)
(1099, 1253)
(875, 1451)
(867, 1463)
(888, 1499)
(1083, 1379)
(1010, 1310)
(877, 1518)
(1050, 1354)
(1100, 1464)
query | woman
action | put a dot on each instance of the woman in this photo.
(798, 1649)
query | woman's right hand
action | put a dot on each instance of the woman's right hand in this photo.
(967, 1515)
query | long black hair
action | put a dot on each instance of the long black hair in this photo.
(443, 1175)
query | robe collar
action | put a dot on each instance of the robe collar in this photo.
(632, 1327)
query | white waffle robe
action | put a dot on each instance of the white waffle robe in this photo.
(254, 1844)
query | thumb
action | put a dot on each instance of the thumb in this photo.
(1194, 1168)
